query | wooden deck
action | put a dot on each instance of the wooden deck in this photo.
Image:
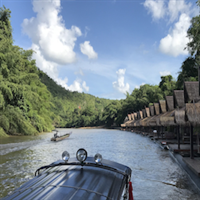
(193, 164)
(183, 147)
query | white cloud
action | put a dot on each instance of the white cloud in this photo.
(52, 42)
(47, 31)
(156, 8)
(51, 69)
(138, 86)
(88, 50)
(85, 87)
(79, 72)
(175, 42)
(165, 73)
(119, 84)
(177, 7)
(77, 85)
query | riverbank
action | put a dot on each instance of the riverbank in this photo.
(181, 156)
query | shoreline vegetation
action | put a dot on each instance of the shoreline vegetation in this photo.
(31, 102)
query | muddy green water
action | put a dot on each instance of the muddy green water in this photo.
(154, 174)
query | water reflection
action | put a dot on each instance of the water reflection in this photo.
(154, 174)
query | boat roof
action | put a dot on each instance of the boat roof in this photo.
(104, 181)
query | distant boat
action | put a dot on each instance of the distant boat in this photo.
(56, 137)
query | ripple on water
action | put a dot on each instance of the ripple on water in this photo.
(154, 174)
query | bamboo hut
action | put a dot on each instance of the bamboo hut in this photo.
(144, 122)
(191, 91)
(157, 108)
(132, 116)
(179, 100)
(152, 110)
(129, 116)
(170, 102)
(147, 112)
(135, 115)
(167, 119)
(163, 106)
(144, 113)
(192, 113)
(141, 114)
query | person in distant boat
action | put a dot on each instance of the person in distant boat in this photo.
(56, 134)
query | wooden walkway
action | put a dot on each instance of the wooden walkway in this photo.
(183, 147)
(193, 164)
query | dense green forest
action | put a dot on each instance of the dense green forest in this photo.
(31, 102)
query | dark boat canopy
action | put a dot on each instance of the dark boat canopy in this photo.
(72, 181)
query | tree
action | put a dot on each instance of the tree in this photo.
(189, 72)
(193, 34)
(167, 85)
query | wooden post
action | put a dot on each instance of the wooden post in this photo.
(191, 142)
(158, 132)
(178, 136)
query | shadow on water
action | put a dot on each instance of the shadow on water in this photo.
(154, 174)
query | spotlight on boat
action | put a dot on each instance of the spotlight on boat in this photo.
(65, 156)
(98, 158)
(81, 155)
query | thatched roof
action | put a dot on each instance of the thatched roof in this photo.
(179, 116)
(170, 102)
(147, 112)
(132, 116)
(191, 89)
(144, 122)
(193, 113)
(144, 113)
(129, 116)
(157, 108)
(152, 121)
(141, 114)
(138, 122)
(128, 123)
(135, 115)
(126, 119)
(152, 110)
(167, 119)
(162, 105)
(179, 99)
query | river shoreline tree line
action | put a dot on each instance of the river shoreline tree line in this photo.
(31, 102)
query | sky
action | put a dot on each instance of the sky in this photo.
(105, 48)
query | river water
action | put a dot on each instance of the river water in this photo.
(155, 176)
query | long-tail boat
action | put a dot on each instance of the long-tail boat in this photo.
(57, 137)
(80, 178)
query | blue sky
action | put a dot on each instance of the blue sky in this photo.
(104, 47)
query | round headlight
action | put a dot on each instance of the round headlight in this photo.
(81, 155)
(65, 156)
(98, 158)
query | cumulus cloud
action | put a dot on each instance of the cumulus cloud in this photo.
(52, 42)
(51, 69)
(177, 7)
(48, 32)
(88, 50)
(165, 73)
(175, 42)
(156, 8)
(119, 84)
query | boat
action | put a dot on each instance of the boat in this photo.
(56, 137)
(79, 178)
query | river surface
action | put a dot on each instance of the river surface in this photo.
(155, 175)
